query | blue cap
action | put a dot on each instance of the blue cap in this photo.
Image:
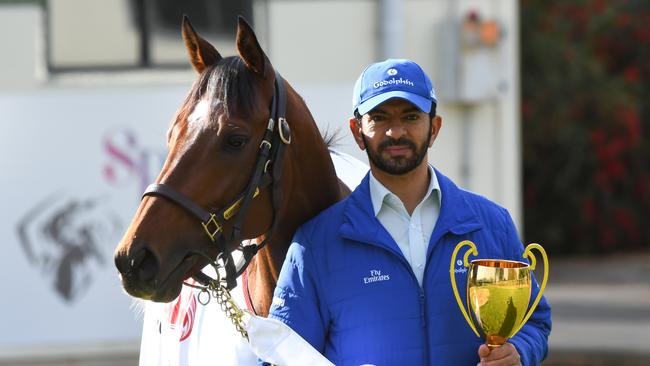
(393, 78)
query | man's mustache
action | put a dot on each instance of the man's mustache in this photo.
(399, 142)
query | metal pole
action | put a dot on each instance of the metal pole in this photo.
(390, 28)
(141, 14)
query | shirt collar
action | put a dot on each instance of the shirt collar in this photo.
(379, 193)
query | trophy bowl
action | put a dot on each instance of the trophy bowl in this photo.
(498, 293)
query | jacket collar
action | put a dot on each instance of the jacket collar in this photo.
(378, 191)
(360, 224)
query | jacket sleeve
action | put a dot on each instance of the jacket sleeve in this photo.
(532, 339)
(296, 298)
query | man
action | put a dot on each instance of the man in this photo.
(367, 280)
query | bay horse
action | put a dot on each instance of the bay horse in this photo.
(245, 161)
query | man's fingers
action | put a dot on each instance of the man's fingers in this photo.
(503, 355)
(502, 351)
(495, 354)
(483, 351)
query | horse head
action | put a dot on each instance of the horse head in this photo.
(214, 149)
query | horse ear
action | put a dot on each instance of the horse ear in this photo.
(202, 53)
(249, 48)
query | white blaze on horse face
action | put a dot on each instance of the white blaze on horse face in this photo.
(200, 116)
(200, 113)
(196, 123)
(199, 120)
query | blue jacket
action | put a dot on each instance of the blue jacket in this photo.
(347, 289)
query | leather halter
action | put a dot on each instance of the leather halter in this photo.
(270, 152)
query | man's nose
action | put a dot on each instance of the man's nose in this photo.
(395, 130)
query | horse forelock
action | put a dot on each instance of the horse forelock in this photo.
(228, 88)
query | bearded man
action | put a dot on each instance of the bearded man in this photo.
(366, 282)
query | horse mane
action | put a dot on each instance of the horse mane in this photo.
(332, 138)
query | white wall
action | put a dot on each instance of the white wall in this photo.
(74, 163)
(22, 64)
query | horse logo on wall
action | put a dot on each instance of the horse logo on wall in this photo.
(62, 237)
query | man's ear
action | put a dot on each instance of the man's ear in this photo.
(355, 127)
(436, 124)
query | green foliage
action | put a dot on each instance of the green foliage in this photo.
(586, 124)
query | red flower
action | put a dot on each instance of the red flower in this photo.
(629, 118)
(631, 74)
(598, 137)
(598, 6)
(642, 34)
(589, 210)
(623, 20)
(578, 13)
(615, 168)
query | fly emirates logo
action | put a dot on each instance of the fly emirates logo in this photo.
(376, 276)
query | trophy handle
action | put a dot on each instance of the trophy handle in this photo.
(533, 262)
(452, 275)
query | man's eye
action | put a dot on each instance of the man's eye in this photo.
(412, 117)
(236, 142)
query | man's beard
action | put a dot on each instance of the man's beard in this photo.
(397, 165)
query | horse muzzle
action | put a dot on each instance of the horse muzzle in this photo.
(141, 276)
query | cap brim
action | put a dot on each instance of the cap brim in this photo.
(423, 104)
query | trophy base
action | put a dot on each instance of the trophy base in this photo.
(494, 341)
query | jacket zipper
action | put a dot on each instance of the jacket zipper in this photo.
(421, 298)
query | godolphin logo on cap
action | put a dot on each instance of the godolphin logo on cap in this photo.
(391, 72)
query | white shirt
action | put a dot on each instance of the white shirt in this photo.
(410, 232)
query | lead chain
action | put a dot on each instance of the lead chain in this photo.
(217, 288)
(219, 291)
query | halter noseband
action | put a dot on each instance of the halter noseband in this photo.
(270, 152)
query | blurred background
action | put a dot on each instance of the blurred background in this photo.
(545, 110)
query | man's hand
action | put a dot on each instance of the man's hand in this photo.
(505, 355)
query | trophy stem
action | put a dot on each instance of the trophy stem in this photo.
(494, 341)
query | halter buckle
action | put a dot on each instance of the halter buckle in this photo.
(283, 128)
(212, 221)
(265, 142)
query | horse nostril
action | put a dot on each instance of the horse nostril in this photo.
(123, 263)
(145, 266)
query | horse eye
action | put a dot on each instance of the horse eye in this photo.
(236, 142)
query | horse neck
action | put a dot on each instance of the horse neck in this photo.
(309, 185)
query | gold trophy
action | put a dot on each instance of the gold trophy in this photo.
(498, 292)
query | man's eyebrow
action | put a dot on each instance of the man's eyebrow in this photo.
(411, 110)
